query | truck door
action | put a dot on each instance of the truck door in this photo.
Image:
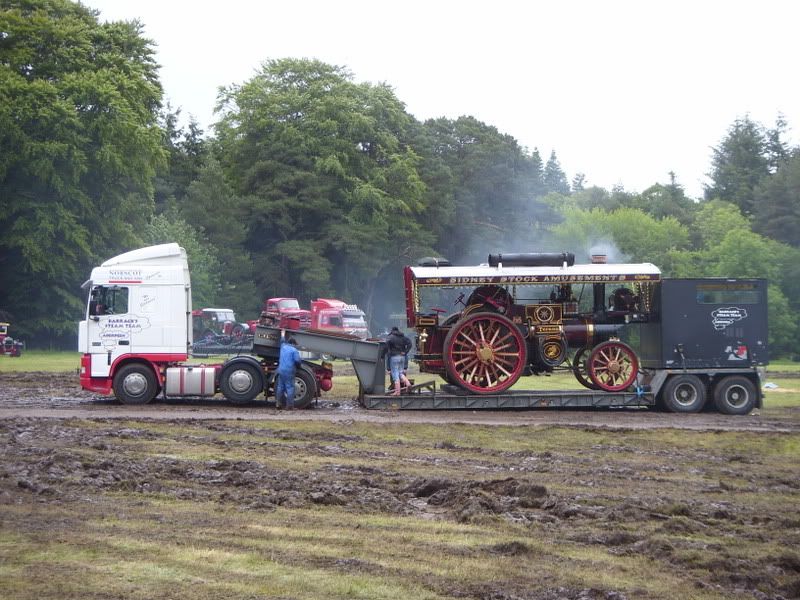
(108, 327)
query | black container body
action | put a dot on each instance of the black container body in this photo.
(712, 323)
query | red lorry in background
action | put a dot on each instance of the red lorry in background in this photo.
(326, 314)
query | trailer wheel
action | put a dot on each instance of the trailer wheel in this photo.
(135, 384)
(241, 383)
(485, 353)
(684, 394)
(579, 368)
(304, 386)
(735, 395)
(612, 366)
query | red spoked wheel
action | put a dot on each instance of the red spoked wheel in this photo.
(485, 353)
(612, 366)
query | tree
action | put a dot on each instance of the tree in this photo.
(713, 220)
(79, 145)
(625, 234)
(496, 188)
(334, 185)
(220, 216)
(203, 264)
(554, 178)
(777, 212)
(738, 164)
(665, 201)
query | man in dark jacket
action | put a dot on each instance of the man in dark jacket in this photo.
(398, 346)
(288, 362)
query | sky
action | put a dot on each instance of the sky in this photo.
(623, 91)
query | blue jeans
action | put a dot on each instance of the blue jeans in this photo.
(284, 390)
(396, 365)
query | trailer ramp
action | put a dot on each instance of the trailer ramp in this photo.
(367, 356)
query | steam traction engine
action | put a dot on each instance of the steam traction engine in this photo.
(526, 314)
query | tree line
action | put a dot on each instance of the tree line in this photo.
(313, 184)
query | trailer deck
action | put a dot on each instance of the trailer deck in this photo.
(427, 396)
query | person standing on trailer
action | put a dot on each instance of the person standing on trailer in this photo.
(288, 361)
(398, 346)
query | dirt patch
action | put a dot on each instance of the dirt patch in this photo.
(719, 515)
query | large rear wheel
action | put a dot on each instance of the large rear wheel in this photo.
(484, 353)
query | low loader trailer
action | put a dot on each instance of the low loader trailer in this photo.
(368, 359)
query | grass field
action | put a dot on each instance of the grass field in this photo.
(310, 509)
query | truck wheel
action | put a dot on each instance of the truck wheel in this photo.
(735, 395)
(241, 383)
(684, 394)
(305, 384)
(135, 384)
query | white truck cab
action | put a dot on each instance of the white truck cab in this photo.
(139, 308)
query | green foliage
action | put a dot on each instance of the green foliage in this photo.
(777, 211)
(626, 234)
(79, 147)
(738, 165)
(330, 177)
(783, 327)
(203, 264)
(315, 185)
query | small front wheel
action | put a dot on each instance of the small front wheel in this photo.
(135, 384)
(612, 366)
(735, 395)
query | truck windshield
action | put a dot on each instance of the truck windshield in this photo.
(354, 319)
(289, 303)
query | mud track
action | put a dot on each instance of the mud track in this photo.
(58, 395)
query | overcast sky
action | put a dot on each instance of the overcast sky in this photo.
(623, 91)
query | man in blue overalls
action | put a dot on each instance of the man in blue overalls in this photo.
(288, 362)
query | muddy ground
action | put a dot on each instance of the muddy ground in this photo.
(686, 517)
(59, 395)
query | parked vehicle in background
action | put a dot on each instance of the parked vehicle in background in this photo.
(8, 345)
(282, 312)
(215, 322)
(329, 314)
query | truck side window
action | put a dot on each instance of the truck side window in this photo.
(108, 301)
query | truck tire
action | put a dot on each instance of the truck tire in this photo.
(305, 386)
(735, 395)
(135, 384)
(241, 383)
(684, 394)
